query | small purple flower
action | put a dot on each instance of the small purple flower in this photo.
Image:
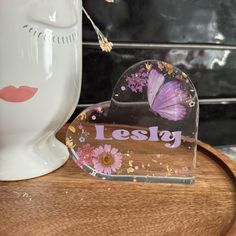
(123, 88)
(192, 104)
(80, 126)
(82, 139)
(137, 81)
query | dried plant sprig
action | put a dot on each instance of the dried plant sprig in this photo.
(105, 45)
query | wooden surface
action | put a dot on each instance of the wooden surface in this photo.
(69, 202)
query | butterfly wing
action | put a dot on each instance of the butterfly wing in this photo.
(155, 81)
(167, 99)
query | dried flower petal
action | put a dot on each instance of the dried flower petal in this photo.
(105, 45)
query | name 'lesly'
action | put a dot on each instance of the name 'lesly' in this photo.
(173, 139)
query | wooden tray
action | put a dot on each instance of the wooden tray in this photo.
(70, 202)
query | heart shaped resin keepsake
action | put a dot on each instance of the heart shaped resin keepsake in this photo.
(147, 132)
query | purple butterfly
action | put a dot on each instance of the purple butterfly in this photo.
(166, 99)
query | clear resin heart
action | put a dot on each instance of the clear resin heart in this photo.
(146, 133)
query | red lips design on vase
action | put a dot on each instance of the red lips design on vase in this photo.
(16, 95)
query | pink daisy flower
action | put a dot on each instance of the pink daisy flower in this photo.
(85, 155)
(106, 159)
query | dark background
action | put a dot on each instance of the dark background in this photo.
(198, 36)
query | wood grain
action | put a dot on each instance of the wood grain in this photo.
(69, 202)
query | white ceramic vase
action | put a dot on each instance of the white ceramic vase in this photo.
(40, 83)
